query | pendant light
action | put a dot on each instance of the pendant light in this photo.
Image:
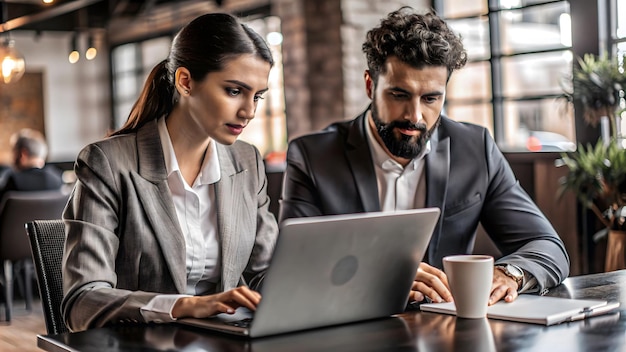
(12, 64)
(74, 54)
(91, 52)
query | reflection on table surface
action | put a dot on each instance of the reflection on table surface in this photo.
(410, 331)
(388, 334)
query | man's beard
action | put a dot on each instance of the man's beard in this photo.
(407, 147)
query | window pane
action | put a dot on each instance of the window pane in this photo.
(533, 62)
(480, 114)
(124, 58)
(462, 8)
(535, 74)
(471, 82)
(538, 125)
(154, 51)
(125, 86)
(621, 19)
(509, 4)
(475, 35)
(121, 111)
(535, 28)
(269, 131)
(621, 49)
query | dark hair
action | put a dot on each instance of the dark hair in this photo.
(30, 141)
(416, 39)
(204, 45)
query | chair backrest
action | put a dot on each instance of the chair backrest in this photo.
(19, 207)
(5, 171)
(47, 238)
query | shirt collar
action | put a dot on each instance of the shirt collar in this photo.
(381, 158)
(210, 170)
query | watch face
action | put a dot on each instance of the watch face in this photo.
(514, 270)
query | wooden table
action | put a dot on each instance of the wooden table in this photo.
(410, 331)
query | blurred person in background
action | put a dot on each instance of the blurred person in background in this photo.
(30, 171)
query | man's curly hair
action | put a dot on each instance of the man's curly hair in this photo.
(416, 39)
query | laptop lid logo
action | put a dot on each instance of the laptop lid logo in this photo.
(344, 270)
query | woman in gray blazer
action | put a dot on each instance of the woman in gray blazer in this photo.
(169, 216)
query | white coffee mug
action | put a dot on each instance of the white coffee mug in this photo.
(470, 278)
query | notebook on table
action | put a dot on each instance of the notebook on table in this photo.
(536, 309)
(333, 270)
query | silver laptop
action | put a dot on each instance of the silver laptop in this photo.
(333, 270)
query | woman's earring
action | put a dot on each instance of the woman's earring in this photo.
(186, 91)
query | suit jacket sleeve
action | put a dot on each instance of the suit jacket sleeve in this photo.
(518, 227)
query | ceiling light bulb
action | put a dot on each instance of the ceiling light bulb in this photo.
(74, 57)
(13, 64)
(74, 54)
(48, 1)
(91, 53)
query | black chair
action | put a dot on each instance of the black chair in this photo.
(274, 189)
(47, 238)
(16, 209)
(5, 172)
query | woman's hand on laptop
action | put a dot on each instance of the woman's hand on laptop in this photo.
(225, 302)
(430, 283)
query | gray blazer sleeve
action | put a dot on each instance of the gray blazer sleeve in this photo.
(89, 275)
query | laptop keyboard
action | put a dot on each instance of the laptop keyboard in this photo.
(243, 323)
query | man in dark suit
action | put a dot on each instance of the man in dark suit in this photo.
(30, 170)
(402, 153)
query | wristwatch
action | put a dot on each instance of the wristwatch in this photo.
(514, 272)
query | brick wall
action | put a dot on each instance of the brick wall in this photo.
(359, 16)
(21, 106)
(322, 57)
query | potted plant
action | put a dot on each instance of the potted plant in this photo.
(598, 83)
(597, 173)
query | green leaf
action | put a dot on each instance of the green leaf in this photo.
(597, 176)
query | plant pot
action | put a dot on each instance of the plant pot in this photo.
(615, 251)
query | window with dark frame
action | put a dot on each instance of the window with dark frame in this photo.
(617, 12)
(519, 54)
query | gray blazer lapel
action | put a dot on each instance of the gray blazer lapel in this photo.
(229, 204)
(437, 178)
(360, 161)
(155, 197)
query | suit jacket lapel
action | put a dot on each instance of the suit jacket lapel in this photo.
(360, 161)
(228, 204)
(154, 194)
(437, 178)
